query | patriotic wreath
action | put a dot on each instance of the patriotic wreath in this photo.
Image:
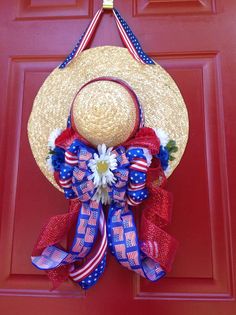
(108, 183)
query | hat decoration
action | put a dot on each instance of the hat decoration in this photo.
(110, 164)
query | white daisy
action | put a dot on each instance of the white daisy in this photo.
(102, 195)
(102, 165)
(148, 156)
(162, 135)
(52, 138)
(167, 171)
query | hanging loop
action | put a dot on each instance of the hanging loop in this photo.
(129, 39)
(108, 4)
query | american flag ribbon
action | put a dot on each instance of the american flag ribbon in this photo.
(79, 275)
(129, 39)
(125, 246)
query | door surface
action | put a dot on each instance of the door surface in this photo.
(195, 41)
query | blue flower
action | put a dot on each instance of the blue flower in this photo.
(163, 156)
(58, 158)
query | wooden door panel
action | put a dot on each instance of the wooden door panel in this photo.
(47, 9)
(194, 41)
(163, 7)
(201, 267)
(26, 215)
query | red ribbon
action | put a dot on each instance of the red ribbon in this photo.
(54, 231)
(156, 214)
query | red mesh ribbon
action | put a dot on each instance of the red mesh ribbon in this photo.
(155, 215)
(145, 138)
(53, 233)
(66, 138)
(58, 276)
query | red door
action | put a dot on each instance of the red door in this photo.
(195, 42)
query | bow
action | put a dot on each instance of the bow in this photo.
(121, 177)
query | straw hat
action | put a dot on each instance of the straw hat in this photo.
(104, 111)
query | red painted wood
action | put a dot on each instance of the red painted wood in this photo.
(195, 42)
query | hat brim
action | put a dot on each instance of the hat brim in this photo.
(158, 93)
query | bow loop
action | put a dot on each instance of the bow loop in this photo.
(121, 158)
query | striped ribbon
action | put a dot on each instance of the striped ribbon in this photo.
(90, 273)
(129, 39)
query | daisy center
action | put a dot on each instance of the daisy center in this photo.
(102, 167)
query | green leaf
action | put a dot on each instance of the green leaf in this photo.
(173, 150)
(171, 144)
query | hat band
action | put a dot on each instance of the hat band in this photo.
(139, 119)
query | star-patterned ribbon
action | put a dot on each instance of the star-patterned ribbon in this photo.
(129, 39)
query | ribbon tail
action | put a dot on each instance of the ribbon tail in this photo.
(58, 275)
(87, 275)
(155, 242)
(56, 228)
(124, 244)
(52, 233)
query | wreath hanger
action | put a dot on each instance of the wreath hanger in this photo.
(108, 4)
